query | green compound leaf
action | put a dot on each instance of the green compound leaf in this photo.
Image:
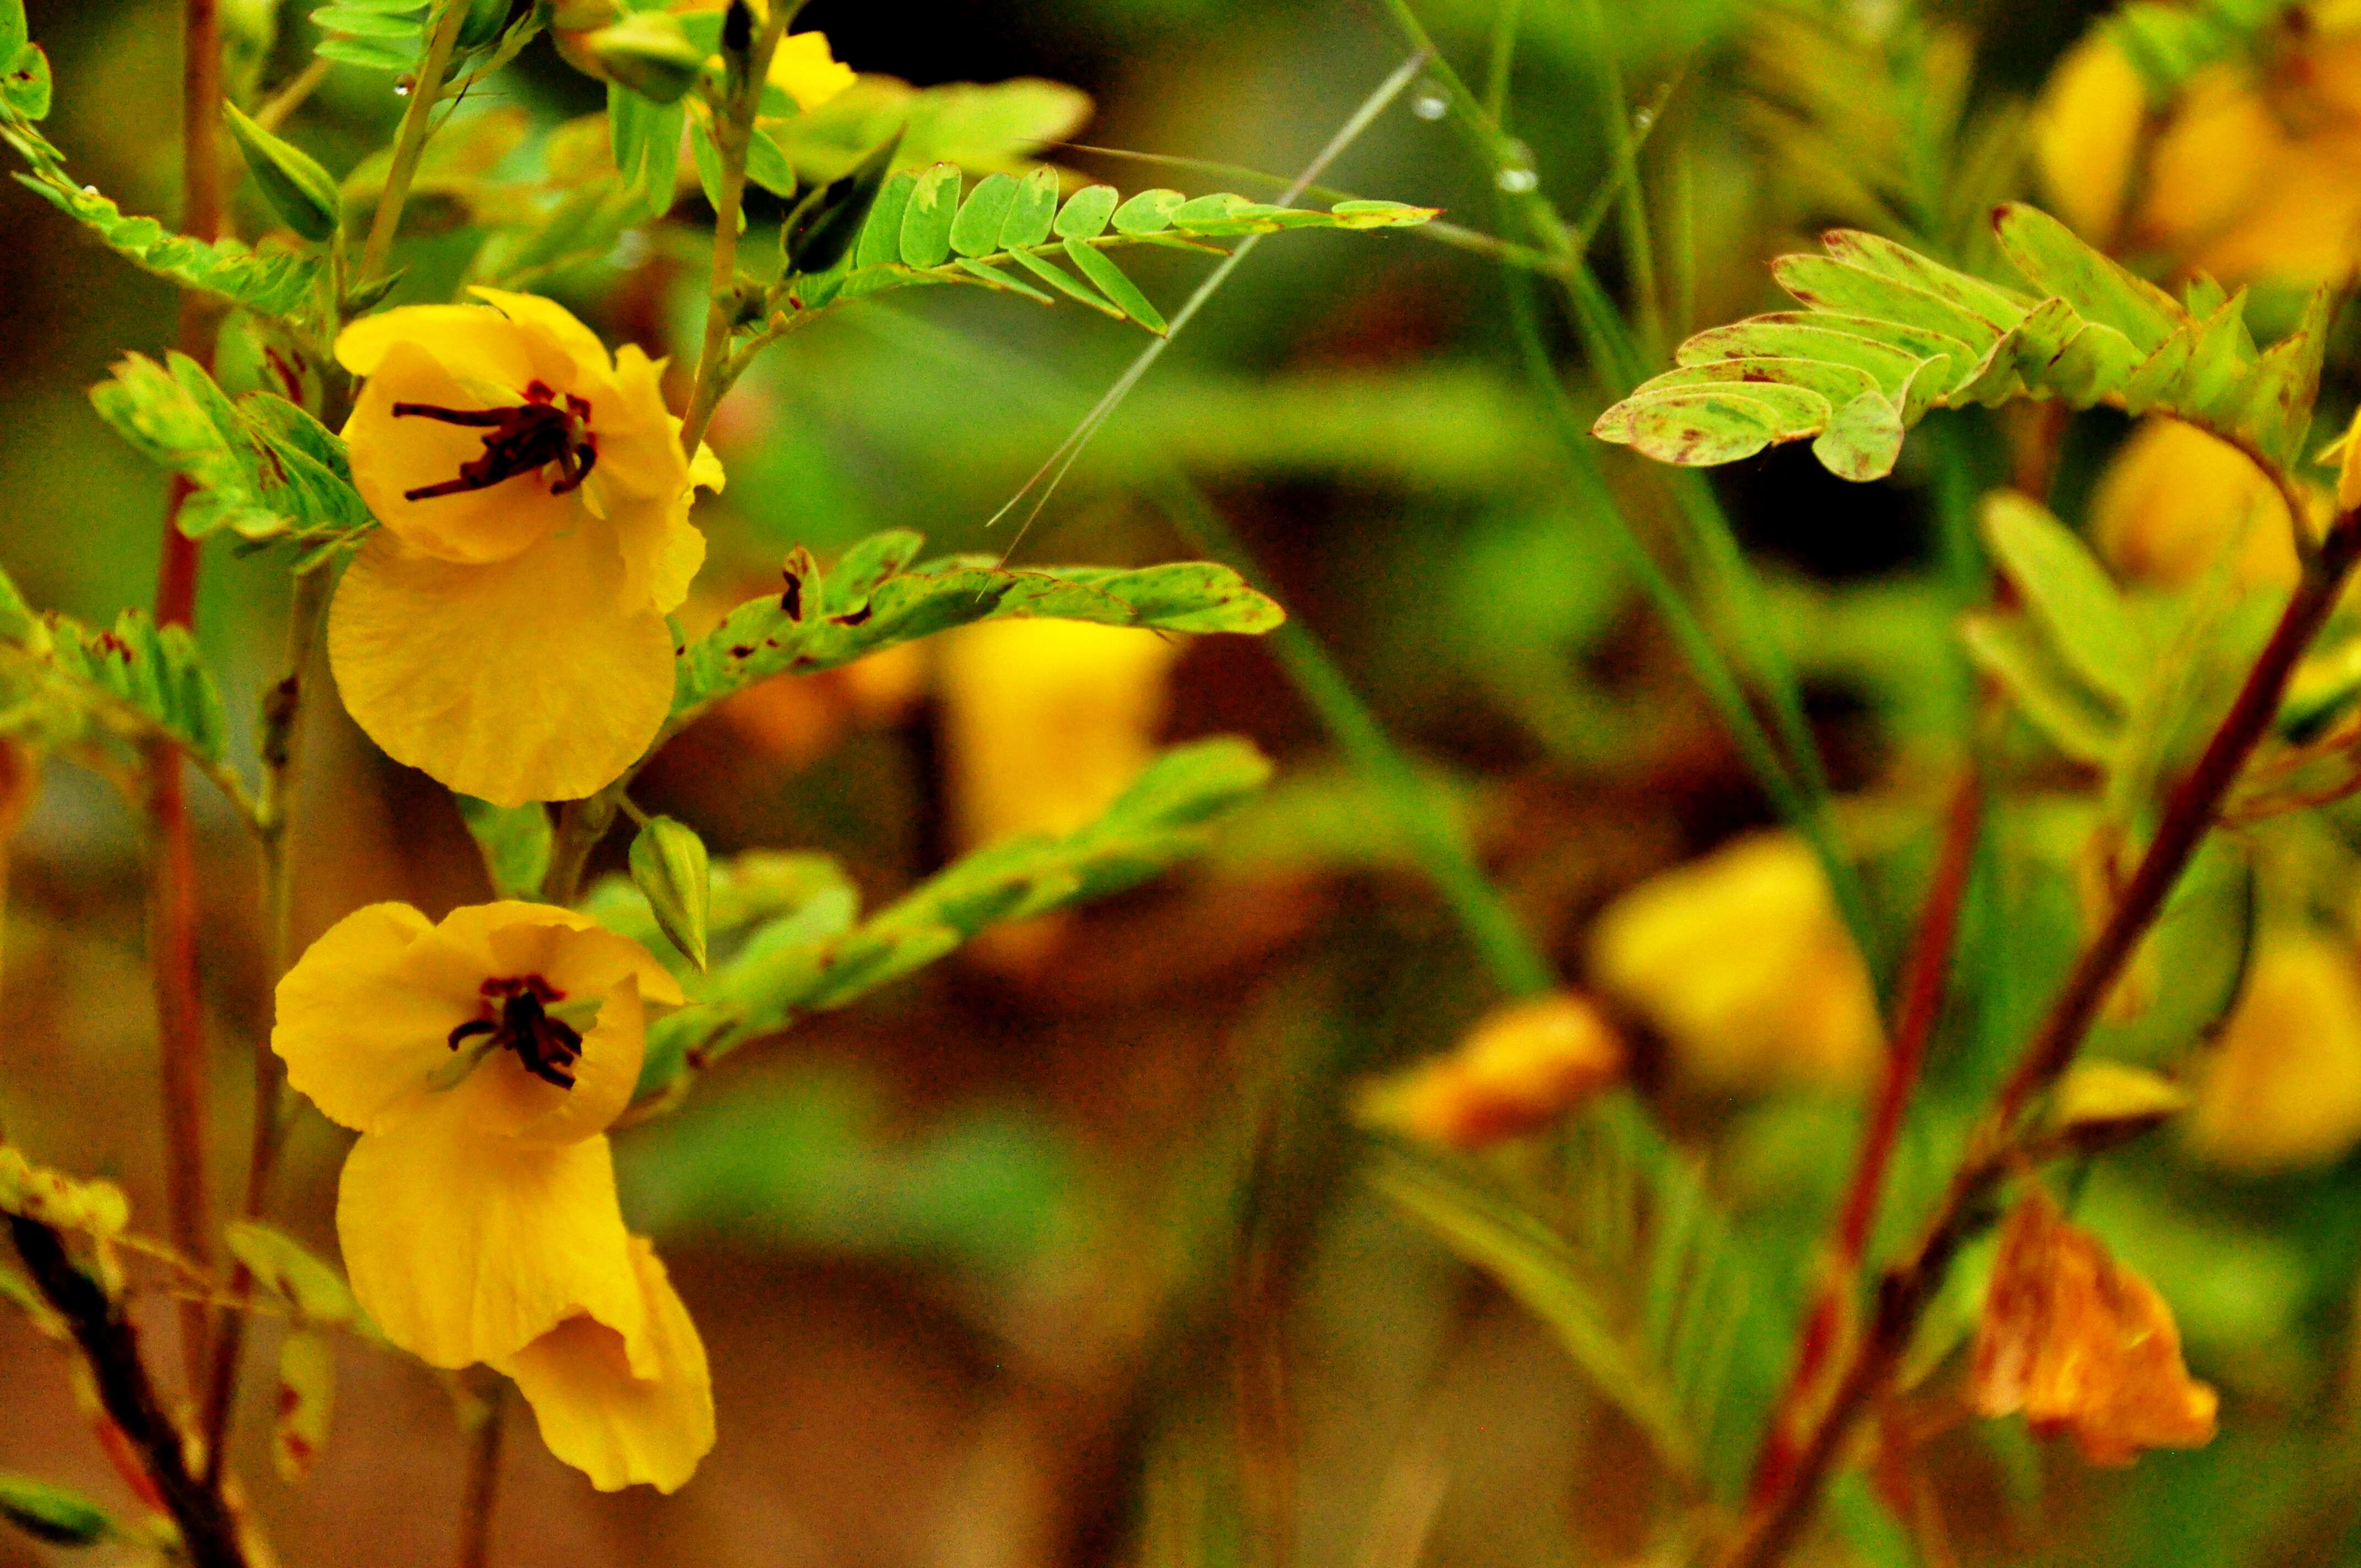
(274, 284)
(311, 1289)
(875, 598)
(1010, 235)
(2084, 724)
(382, 35)
(1887, 334)
(139, 679)
(514, 840)
(25, 87)
(263, 469)
(52, 1514)
(811, 956)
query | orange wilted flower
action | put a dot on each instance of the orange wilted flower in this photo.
(2083, 1344)
(1523, 1066)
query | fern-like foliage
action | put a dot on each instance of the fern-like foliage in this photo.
(1887, 334)
(2168, 41)
(787, 942)
(382, 35)
(1631, 1265)
(875, 598)
(262, 468)
(274, 284)
(1014, 236)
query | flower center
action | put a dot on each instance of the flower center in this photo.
(523, 438)
(547, 1047)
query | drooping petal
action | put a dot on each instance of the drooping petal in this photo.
(473, 343)
(466, 1247)
(639, 441)
(360, 1036)
(393, 455)
(512, 682)
(619, 1429)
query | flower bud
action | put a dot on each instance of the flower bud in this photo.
(648, 52)
(297, 187)
(668, 862)
(2103, 1103)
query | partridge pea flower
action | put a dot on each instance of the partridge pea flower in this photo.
(482, 1060)
(505, 630)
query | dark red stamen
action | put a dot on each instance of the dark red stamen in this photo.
(547, 1047)
(523, 438)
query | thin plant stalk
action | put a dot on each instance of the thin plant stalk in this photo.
(172, 907)
(282, 747)
(410, 139)
(1999, 1140)
(477, 1506)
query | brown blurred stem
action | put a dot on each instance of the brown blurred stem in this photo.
(1775, 1518)
(209, 1534)
(172, 899)
(282, 740)
(1828, 1322)
(483, 1482)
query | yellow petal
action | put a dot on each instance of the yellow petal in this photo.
(393, 455)
(585, 355)
(2281, 1089)
(620, 1430)
(1523, 1067)
(639, 441)
(2175, 497)
(474, 344)
(1742, 961)
(807, 71)
(1048, 721)
(2086, 135)
(512, 682)
(360, 1037)
(465, 1247)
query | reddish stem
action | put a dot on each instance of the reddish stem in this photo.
(1921, 1005)
(180, 1021)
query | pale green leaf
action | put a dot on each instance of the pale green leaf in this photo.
(2069, 593)
(52, 1514)
(514, 840)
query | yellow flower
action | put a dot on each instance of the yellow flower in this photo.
(2281, 1089)
(2086, 134)
(505, 630)
(1742, 961)
(1048, 721)
(481, 1060)
(1523, 1066)
(2174, 498)
(804, 68)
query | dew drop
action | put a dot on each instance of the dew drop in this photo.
(90, 190)
(1430, 102)
(1517, 181)
(1643, 118)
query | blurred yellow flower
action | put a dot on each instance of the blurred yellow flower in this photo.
(1742, 961)
(505, 630)
(2175, 497)
(1048, 721)
(1521, 1067)
(804, 68)
(481, 1060)
(2281, 1087)
(2086, 134)
(2253, 171)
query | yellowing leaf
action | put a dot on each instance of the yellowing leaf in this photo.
(307, 1391)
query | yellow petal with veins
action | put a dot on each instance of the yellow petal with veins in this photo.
(360, 1038)
(475, 345)
(619, 1428)
(513, 682)
(465, 1248)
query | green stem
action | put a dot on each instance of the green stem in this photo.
(1417, 805)
(733, 135)
(409, 139)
